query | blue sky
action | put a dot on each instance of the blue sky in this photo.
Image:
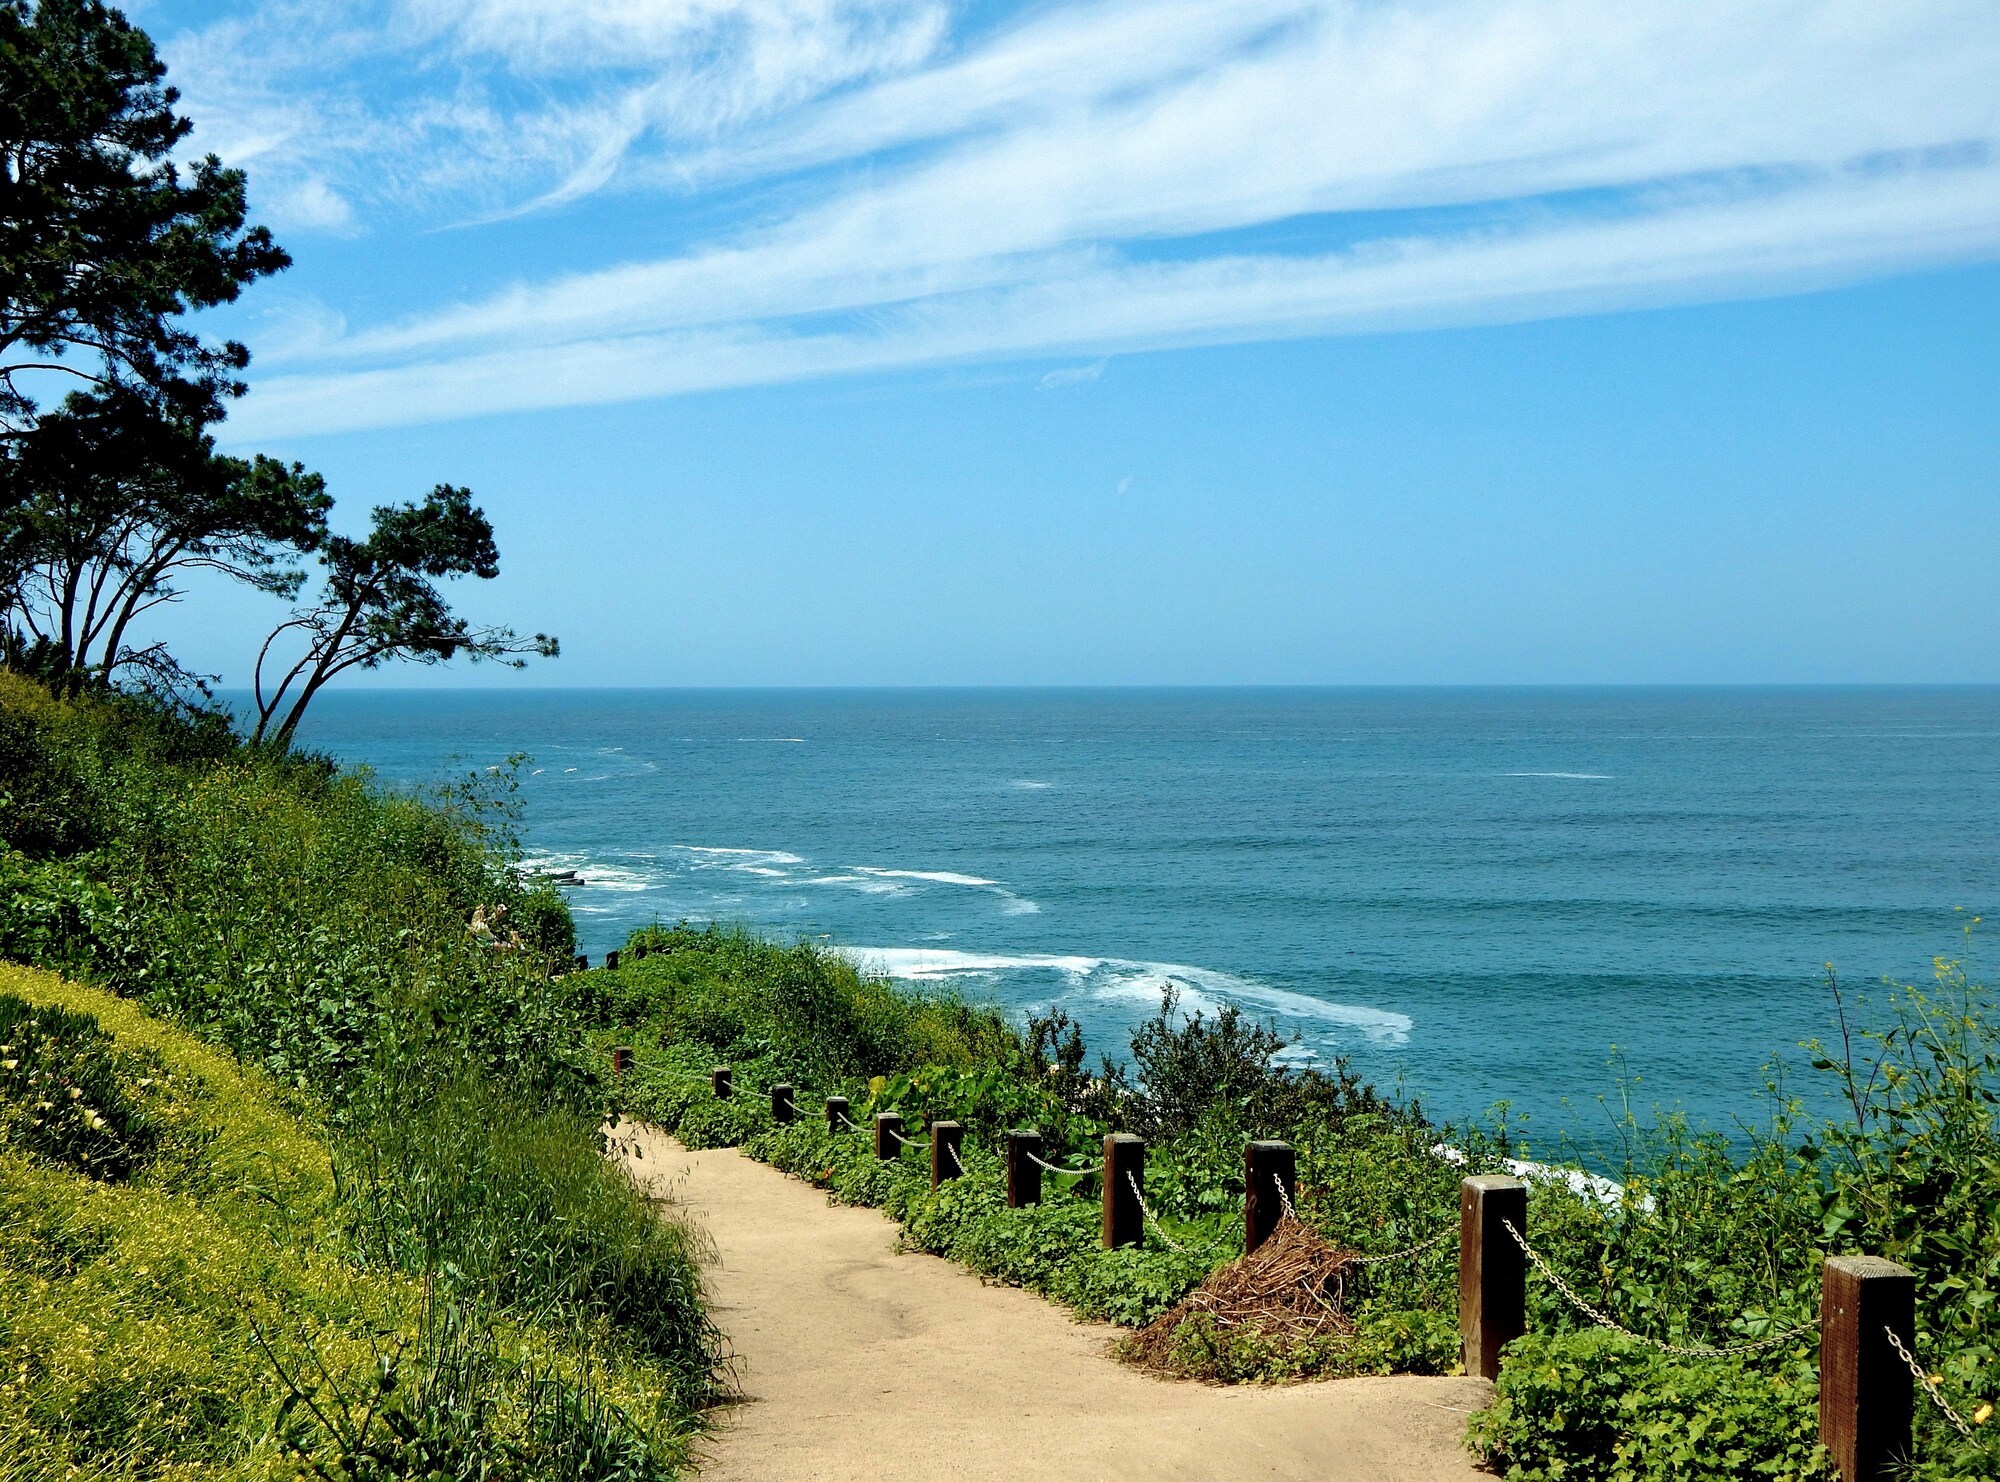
(1143, 341)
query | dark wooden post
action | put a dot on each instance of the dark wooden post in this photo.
(836, 1114)
(722, 1083)
(621, 1059)
(945, 1140)
(1267, 1166)
(1024, 1178)
(1124, 1186)
(888, 1135)
(1492, 1269)
(583, 962)
(611, 960)
(641, 950)
(783, 1113)
(1865, 1392)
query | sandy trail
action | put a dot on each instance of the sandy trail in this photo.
(859, 1362)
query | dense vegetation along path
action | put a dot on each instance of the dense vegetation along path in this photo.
(857, 1361)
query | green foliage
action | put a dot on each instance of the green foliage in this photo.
(465, 1184)
(1188, 1068)
(808, 1007)
(457, 1402)
(380, 604)
(47, 804)
(107, 241)
(1716, 1244)
(317, 929)
(153, 1326)
(1599, 1407)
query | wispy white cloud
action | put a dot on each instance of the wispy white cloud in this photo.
(1093, 178)
(1072, 375)
(1830, 232)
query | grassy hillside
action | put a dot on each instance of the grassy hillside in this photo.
(179, 1294)
(350, 1213)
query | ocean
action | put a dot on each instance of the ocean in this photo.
(1541, 897)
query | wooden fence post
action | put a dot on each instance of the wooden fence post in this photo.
(722, 1083)
(1865, 1391)
(1492, 1269)
(583, 962)
(611, 960)
(641, 950)
(945, 1140)
(1124, 1187)
(1024, 1179)
(888, 1135)
(1267, 1166)
(836, 1114)
(783, 1113)
(621, 1059)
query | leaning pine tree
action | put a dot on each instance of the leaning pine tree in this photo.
(379, 604)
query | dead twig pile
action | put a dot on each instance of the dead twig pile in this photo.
(1288, 1291)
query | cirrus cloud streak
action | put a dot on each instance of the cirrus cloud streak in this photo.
(876, 190)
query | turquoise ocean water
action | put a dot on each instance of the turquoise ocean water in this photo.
(1477, 893)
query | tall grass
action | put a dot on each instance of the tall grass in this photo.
(315, 926)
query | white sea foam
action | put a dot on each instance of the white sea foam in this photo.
(1111, 979)
(1583, 1185)
(939, 877)
(713, 857)
(932, 964)
(594, 873)
(1028, 784)
(862, 883)
(1571, 776)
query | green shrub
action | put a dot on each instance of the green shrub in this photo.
(725, 988)
(1599, 1407)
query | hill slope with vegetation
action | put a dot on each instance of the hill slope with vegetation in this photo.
(1713, 1241)
(363, 1227)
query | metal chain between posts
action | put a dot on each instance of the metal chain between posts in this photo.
(1137, 1194)
(957, 1161)
(1604, 1321)
(1931, 1386)
(1418, 1249)
(1403, 1255)
(1065, 1172)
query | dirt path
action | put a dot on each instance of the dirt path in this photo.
(858, 1362)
